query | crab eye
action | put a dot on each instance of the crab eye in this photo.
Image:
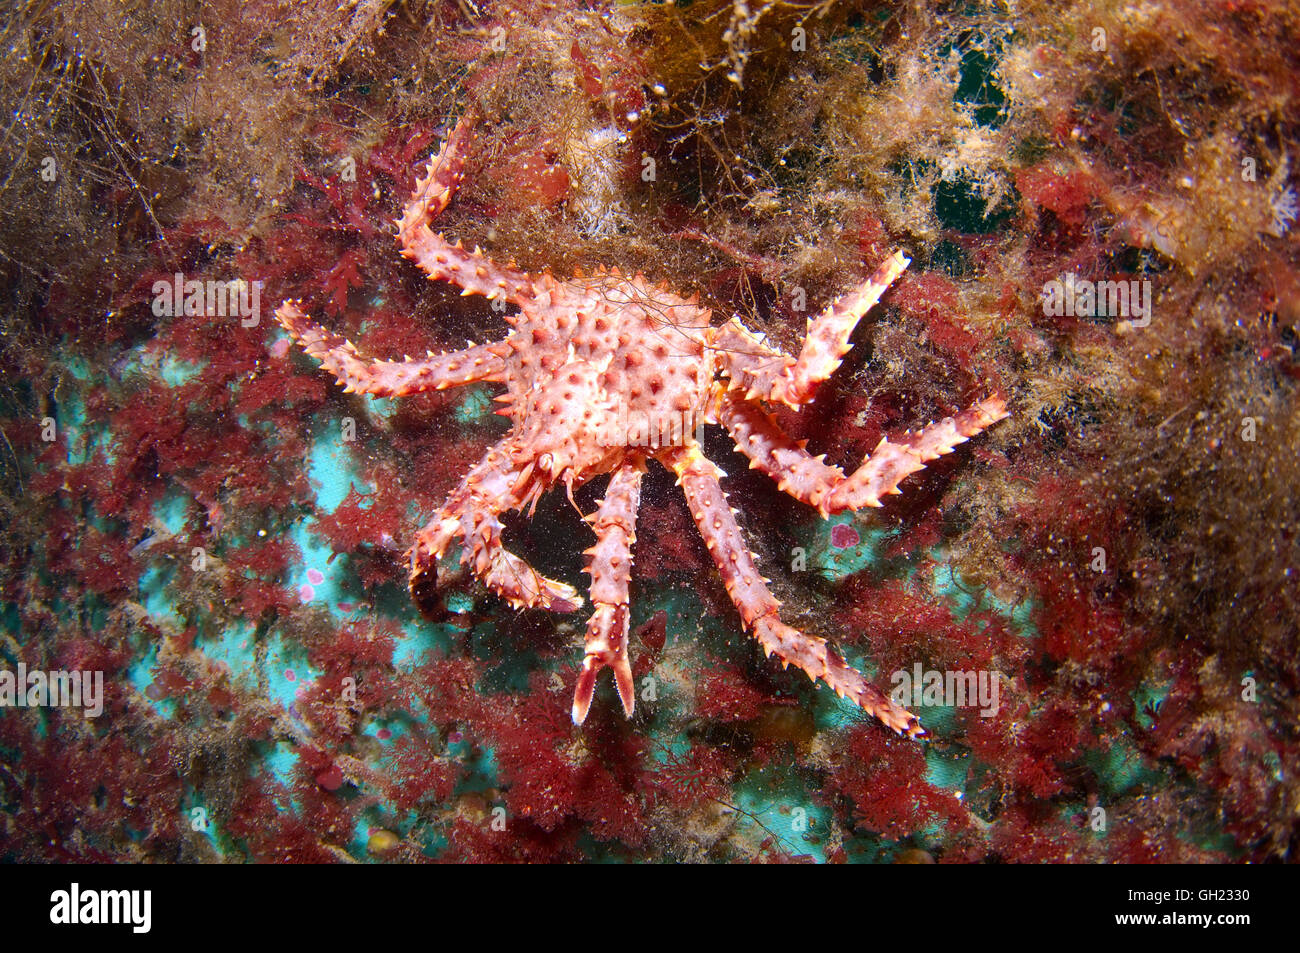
(545, 462)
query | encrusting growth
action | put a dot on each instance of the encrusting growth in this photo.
(603, 373)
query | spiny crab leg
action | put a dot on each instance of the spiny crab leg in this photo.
(762, 371)
(813, 481)
(472, 271)
(361, 375)
(471, 513)
(758, 608)
(611, 569)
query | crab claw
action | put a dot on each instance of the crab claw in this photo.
(606, 645)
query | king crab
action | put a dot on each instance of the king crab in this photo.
(597, 369)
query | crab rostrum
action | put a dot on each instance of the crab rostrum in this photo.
(602, 374)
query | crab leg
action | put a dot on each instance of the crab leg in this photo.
(611, 568)
(766, 372)
(471, 513)
(361, 375)
(813, 481)
(473, 272)
(758, 608)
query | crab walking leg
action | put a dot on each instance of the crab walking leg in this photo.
(361, 375)
(765, 372)
(813, 481)
(473, 272)
(471, 513)
(611, 569)
(758, 608)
